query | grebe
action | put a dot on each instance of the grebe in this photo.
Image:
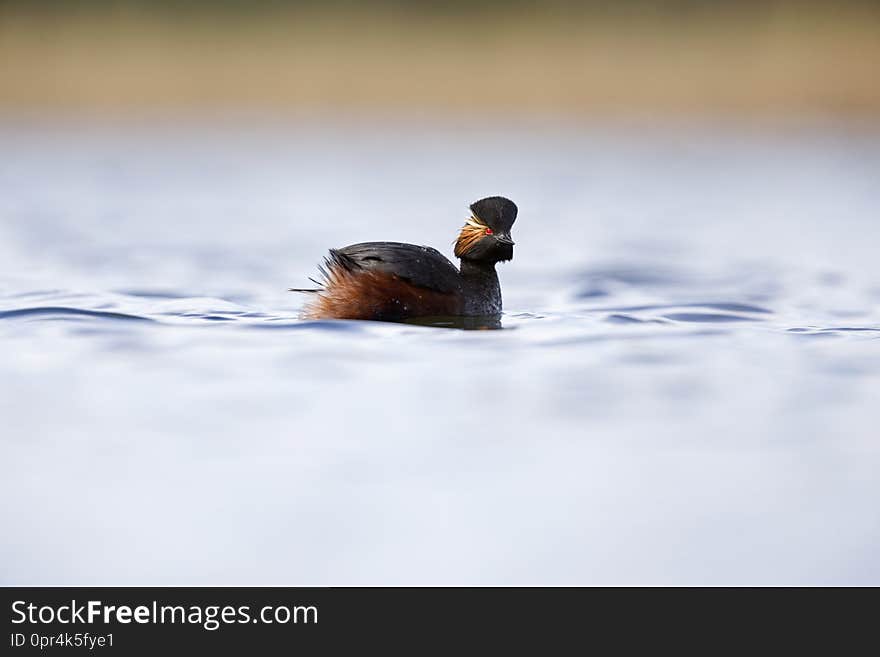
(393, 282)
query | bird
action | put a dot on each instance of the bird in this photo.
(397, 282)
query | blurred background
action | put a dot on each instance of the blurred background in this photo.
(776, 59)
(685, 388)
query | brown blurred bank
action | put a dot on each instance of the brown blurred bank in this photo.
(742, 59)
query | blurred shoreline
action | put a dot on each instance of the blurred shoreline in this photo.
(788, 64)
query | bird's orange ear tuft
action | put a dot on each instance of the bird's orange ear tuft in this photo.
(471, 233)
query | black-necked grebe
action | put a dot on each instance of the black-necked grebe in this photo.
(391, 281)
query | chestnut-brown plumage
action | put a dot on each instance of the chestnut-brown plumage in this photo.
(392, 281)
(365, 294)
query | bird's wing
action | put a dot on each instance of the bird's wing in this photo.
(420, 265)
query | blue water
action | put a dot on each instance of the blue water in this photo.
(686, 389)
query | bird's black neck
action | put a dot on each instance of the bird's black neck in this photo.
(480, 289)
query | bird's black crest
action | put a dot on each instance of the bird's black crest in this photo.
(497, 212)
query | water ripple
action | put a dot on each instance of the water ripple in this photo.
(619, 318)
(346, 326)
(61, 312)
(707, 317)
(713, 305)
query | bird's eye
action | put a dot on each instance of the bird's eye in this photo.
(488, 231)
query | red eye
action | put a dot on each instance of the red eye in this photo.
(488, 231)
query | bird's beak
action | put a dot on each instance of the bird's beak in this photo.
(504, 238)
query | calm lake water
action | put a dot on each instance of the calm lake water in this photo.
(686, 389)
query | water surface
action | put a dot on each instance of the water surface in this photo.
(686, 388)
